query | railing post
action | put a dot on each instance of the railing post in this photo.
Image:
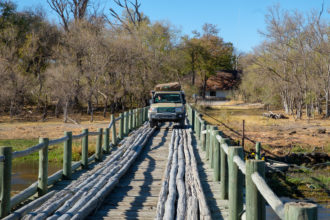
(130, 121)
(125, 124)
(203, 136)
(43, 167)
(114, 135)
(84, 150)
(99, 152)
(207, 140)
(121, 126)
(193, 119)
(5, 175)
(235, 184)
(255, 203)
(300, 211)
(67, 156)
(134, 119)
(143, 114)
(106, 145)
(140, 117)
(216, 174)
(223, 171)
(197, 127)
(212, 145)
(258, 147)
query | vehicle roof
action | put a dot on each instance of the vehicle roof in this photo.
(178, 92)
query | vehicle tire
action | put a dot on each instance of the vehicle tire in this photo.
(152, 123)
(182, 123)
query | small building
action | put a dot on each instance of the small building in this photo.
(219, 86)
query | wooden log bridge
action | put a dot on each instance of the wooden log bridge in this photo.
(147, 173)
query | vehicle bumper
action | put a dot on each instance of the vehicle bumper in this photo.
(166, 117)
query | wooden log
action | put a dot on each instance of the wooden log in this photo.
(164, 190)
(67, 156)
(268, 194)
(203, 207)
(113, 136)
(170, 209)
(191, 193)
(18, 214)
(181, 204)
(43, 168)
(84, 150)
(300, 211)
(28, 151)
(223, 170)
(5, 175)
(23, 195)
(235, 184)
(192, 208)
(255, 203)
(99, 152)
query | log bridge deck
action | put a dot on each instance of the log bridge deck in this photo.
(166, 173)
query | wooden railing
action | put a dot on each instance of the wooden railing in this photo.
(229, 168)
(127, 122)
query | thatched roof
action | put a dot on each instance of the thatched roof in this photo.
(222, 80)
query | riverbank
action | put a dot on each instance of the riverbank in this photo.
(280, 137)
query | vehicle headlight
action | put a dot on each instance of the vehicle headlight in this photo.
(153, 109)
(179, 109)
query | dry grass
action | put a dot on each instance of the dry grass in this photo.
(280, 135)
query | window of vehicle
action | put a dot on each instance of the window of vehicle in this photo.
(167, 98)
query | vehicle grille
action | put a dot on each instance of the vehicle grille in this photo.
(166, 109)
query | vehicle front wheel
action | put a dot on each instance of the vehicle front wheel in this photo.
(182, 123)
(152, 123)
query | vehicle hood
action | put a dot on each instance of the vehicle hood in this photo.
(155, 105)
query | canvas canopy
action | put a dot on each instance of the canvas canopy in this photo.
(174, 86)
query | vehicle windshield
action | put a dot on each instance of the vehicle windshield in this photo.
(167, 98)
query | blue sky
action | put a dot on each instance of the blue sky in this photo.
(238, 20)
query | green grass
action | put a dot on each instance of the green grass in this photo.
(55, 153)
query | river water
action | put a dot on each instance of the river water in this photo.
(26, 173)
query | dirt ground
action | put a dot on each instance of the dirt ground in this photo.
(281, 136)
(33, 127)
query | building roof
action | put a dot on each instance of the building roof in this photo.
(223, 80)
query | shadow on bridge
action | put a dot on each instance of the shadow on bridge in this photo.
(210, 197)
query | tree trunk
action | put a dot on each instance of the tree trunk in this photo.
(299, 109)
(105, 108)
(204, 87)
(65, 111)
(327, 104)
(57, 111)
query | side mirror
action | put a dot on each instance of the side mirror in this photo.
(151, 101)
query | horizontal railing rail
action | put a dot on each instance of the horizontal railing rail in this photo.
(127, 121)
(229, 168)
